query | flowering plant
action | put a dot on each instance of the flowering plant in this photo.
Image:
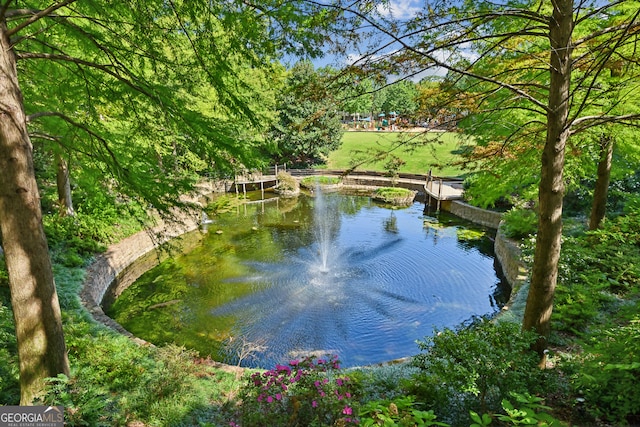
(307, 392)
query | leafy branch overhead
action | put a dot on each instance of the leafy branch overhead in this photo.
(137, 98)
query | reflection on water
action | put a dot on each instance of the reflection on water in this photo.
(330, 274)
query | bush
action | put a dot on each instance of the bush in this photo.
(476, 367)
(607, 374)
(400, 412)
(519, 223)
(287, 183)
(306, 392)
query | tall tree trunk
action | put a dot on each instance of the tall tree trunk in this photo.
(544, 274)
(599, 205)
(65, 202)
(41, 347)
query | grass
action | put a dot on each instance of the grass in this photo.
(419, 151)
(394, 195)
(312, 181)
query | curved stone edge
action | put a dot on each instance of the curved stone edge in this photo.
(110, 265)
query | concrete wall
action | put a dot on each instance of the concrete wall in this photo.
(474, 214)
(115, 262)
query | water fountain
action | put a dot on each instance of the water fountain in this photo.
(333, 274)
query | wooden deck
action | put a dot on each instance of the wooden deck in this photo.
(440, 189)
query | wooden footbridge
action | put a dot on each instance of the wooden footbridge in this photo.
(435, 188)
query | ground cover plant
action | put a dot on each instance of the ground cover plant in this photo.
(438, 154)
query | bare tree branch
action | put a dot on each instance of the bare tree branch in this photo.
(587, 122)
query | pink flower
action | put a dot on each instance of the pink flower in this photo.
(294, 362)
(339, 382)
(347, 410)
(314, 404)
(269, 399)
(283, 368)
(278, 396)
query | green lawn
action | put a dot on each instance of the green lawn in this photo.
(436, 151)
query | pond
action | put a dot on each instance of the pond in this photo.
(322, 274)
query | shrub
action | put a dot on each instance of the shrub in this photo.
(383, 382)
(608, 371)
(287, 183)
(477, 366)
(306, 392)
(529, 410)
(401, 412)
(519, 223)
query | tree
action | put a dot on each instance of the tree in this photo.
(560, 50)
(400, 98)
(308, 125)
(131, 77)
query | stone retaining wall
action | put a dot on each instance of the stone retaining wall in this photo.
(115, 262)
(471, 213)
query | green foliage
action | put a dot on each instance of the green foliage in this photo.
(305, 392)
(607, 373)
(394, 195)
(118, 379)
(392, 167)
(84, 406)
(519, 223)
(529, 411)
(502, 185)
(480, 421)
(477, 366)
(9, 383)
(400, 412)
(383, 382)
(596, 268)
(308, 125)
(97, 223)
(286, 182)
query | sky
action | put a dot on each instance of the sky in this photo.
(398, 9)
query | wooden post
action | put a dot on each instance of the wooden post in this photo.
(439, 195)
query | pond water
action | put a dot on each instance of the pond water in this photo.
(317, 275)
